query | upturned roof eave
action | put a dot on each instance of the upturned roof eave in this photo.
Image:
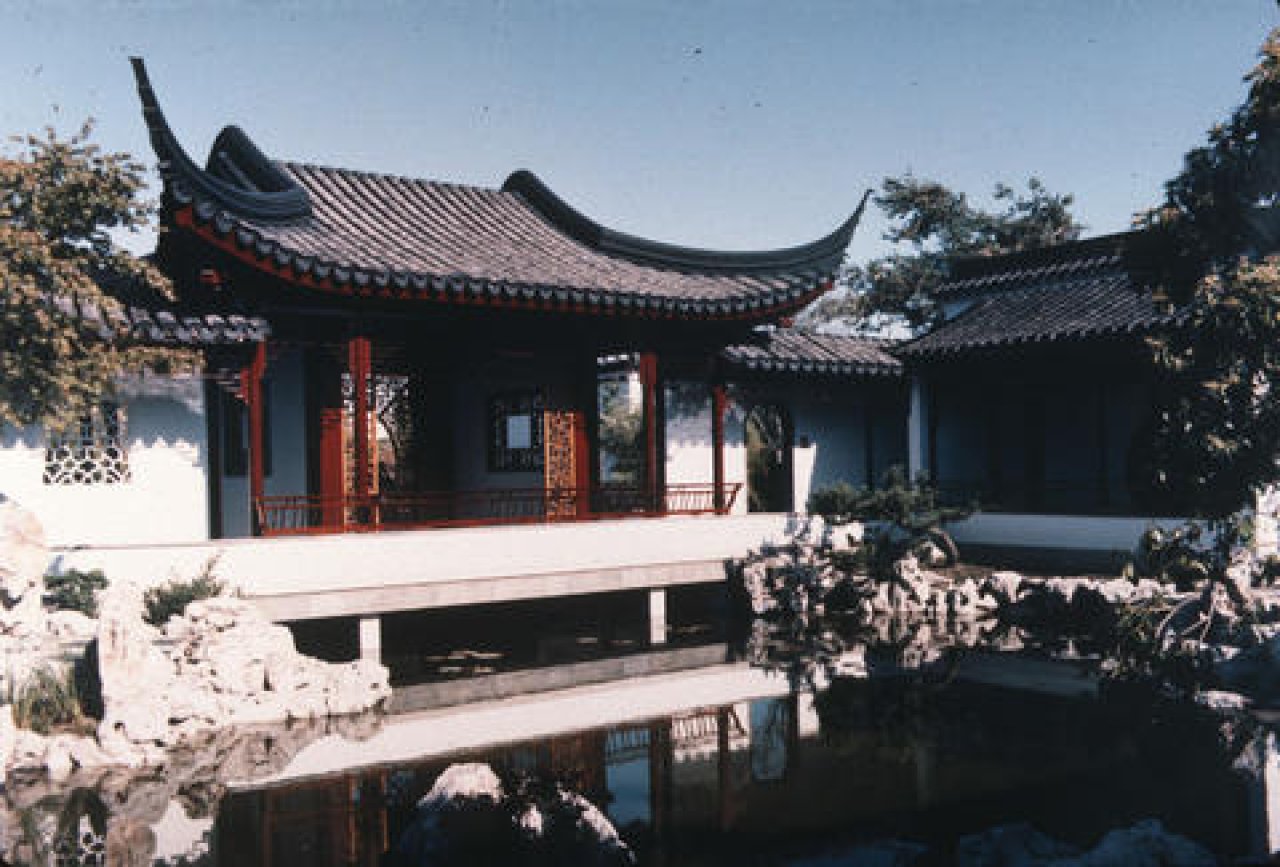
(217, 209)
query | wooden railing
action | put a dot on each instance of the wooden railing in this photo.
(295, 515)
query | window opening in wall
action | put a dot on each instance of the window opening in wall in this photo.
(93, 452)
(515, 432)
(393, 430)
(769, 436)
(619, 407)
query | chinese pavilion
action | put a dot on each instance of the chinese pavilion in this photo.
(435, 348)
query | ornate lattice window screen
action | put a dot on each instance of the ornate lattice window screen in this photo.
(92, 453)
(515, 432)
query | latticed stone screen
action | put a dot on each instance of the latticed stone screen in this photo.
(92, 453)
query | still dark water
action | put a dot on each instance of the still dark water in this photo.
(714, 749)
(753, 782)
(737, 769)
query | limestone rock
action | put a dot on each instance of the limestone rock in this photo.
(931, 555)
(23, 560)
(136, 677)
(1002, 587)
(71, 626)
(219, 664)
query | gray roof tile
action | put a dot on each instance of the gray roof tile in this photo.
(1072, 292)
(786, 350)
(359, 232)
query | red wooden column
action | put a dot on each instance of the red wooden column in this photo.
(719, 407)
(251, 390)
(654, 453)
(360, 367)
(586, 433)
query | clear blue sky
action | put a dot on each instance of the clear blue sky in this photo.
(736, 125)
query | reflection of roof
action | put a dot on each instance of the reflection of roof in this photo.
(518, 246)
(790, 351)
(1076, 291)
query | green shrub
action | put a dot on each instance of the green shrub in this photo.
(172, 598)
(911, 512)
(75, 590)
(48, 700)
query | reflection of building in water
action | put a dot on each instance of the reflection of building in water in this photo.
(655, 779)
(723, 763)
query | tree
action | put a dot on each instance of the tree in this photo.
(59, 201)
(1213, 244)
(621, 434)
(930, 224)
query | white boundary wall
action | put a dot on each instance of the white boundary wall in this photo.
(166, 497)
(1061, 532)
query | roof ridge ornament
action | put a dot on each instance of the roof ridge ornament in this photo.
(822, 255)
(240, 179)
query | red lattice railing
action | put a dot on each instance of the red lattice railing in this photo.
(294, 515)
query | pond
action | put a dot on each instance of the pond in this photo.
(720, 763)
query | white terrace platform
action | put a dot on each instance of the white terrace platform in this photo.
(364, 575)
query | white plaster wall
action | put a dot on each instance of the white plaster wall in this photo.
(166, 498)
(832, 422)
(690, 456)
(1071, 532)
(288, 431)
(829, 420)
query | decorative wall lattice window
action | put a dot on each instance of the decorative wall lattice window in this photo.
(91, 453)
(515, 432)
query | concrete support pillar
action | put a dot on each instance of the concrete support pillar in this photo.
(371, 638)
(918, 430)
(658, 616)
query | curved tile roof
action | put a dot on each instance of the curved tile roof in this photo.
(143, 316)
(1070, 261)
(365, 233)
(1070, 292)
(789, 351)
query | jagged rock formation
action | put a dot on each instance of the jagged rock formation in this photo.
(23, 557)
(219, 664)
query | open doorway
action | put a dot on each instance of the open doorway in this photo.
(769, 460)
